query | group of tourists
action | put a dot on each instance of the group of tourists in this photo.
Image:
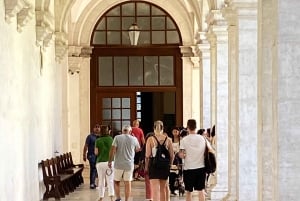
(170, 164)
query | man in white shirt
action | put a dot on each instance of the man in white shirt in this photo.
(192, 149)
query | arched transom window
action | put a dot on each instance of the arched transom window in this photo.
(155, 26)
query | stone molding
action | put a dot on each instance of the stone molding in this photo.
(61, 45)
(20, 9)
(187, 51)
(77, 54)
(24, 16)
(204, 48)
(74, 64)
(195, 61)
(44, 26)
(86, 52)
(245, 10)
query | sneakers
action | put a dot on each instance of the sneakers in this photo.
(119, 199)
(92, 186)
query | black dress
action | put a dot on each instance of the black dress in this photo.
(155, 173)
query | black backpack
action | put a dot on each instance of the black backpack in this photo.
(162, 157)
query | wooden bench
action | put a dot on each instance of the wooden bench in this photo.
(61, 176)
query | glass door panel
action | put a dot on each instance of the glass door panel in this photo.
(117, 110)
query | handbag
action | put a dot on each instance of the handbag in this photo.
(209, 160)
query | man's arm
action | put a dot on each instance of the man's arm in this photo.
(111, 155)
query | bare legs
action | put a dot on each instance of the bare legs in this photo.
(117, 189)
(201, 196)
(127, 189)
(158, 185)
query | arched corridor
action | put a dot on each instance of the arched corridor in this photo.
(237, 65)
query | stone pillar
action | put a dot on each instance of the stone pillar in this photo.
(187, 81)
(78, 96)
(248, 99)
(231, 18)
(219, 28)
(213, 65)
(85, 95)
(204, 48)
(196, 90)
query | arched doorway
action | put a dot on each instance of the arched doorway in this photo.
(136, 81)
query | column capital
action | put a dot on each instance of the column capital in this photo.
(205, 50)
(187, 51)
(86, 51)
(74, 64)
(230, 15)
(195, 61)
(245, 9)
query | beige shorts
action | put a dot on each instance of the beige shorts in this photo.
(125, 175)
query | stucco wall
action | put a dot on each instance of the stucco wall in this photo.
(30, 109)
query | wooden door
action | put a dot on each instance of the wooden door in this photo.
(116, 109)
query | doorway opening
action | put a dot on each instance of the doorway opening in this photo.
(157, 106)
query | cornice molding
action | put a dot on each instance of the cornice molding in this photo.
(20, 9)
(74, 51)
(86, 51)
(187, 51)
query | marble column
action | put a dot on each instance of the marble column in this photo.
(196, 90)
(78, 96)
(204, 48)
(213, 65)
(187, 89)
(231, 18)
(219, 28)
(286, 96)
(85, 94)
(248, 99)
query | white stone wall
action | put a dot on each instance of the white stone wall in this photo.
(288, 100)
(30, 109)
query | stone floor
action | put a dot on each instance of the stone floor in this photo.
(84, 193)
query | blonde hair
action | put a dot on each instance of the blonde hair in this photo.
(158, 127)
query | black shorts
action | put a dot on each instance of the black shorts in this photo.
(194, 179)
(137, 157)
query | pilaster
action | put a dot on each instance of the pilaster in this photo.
(248, 99)
(205, 95)
(268, 132)
(211, 37)
(187, 53)
(231, 18)
(196, 88)
(219, 28)
(79, 89)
